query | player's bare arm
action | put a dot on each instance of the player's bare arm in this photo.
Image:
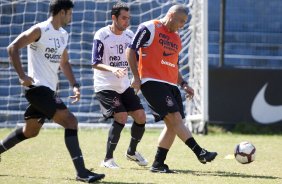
(184, 85)
(67, 70)
(24, 39)
(117, 71)
(131, 58)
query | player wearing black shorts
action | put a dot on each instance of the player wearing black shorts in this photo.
(43, 103)
(156, 91)
(47, 42)
(112, 86)
(112, 102)
(157, 75)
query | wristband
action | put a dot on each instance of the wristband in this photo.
(76, 85)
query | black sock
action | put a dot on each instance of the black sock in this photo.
(14, 138)
(72, 144)
(113, 138)
(193, 145)
(137, 132)
(160, 157)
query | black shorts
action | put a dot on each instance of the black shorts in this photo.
(112, 102)
(162, 98)
(43, 103)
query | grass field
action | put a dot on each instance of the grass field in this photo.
(44, 159)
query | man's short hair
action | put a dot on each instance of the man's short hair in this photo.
(178, 8)
(118, 7)
(57, 5)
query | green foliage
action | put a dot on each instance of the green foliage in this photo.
(245, 128)
(45, 159)
(215, 129)
(255, 128)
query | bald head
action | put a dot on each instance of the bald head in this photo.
(179, 9)
(175, 18)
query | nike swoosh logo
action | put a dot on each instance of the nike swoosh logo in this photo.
(264, 112)
(167, 54)
(203, 152)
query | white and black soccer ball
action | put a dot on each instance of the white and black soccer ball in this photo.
(245, 152)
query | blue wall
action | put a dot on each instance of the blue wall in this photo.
(253, 33)
(253, 40)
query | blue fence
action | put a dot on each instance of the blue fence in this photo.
(253, 39)
(253, 33)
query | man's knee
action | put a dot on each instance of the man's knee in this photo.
(30, 133)
(174, 117)
(32, 127)
(139, 116)
(66, 119)
(71, 121)
(121, 117)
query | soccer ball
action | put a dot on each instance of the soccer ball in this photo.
(245, 152)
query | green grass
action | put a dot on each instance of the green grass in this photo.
(44, 159)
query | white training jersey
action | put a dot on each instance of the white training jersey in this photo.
(109, 49)
(44, 55)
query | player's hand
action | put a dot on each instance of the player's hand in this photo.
(189, 91)
(26, 81)
(76, 95)
(136, 84)
(119, 72)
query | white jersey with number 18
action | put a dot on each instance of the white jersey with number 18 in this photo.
(109, 49)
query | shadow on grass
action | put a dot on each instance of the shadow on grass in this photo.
(224, 174)
(123, 182)
(63, 179)
(28, 177)
(140, 168)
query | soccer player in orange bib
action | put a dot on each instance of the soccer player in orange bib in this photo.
(157, 75)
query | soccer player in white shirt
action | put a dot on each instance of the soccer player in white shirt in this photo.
(112, 86)
(46, 42)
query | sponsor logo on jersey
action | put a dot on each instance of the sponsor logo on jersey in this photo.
(98, 58)
(164, 40)
(114, 58)
(140, 38)
(51, 55)
(99, 47)
(119, 64)
(167, 54)
(168, 44)
(167, 63)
